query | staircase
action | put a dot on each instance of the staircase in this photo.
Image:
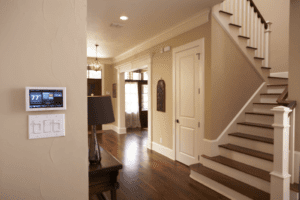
(242, 170)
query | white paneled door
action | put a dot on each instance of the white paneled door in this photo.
(187, 78)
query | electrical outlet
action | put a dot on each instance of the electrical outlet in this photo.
(160, 140)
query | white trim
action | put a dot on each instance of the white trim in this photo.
(106, 127)
(165, 151)
(201, 44)
(280, 74)
(119, 130)
(189, 24)
(211, 147)
(141, 62)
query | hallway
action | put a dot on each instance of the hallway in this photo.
(147, 174)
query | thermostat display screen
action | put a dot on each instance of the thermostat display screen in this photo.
(45, 98)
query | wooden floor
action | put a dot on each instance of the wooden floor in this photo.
(147, 174)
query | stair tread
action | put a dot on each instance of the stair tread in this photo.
(241, 36)
(236, 25)
(276, 85)
(259, 58)
(228, 13)
(270, 94)
(231, 183)
(251, 47)
(256, 125)
(277, 77)
(266, 67)
(250, 152)
(253, 171)
(258, 113)
(253, 137)
(266, 103)
(259, 173)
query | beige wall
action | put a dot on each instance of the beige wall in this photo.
(233, 81)
(277, 12)
(162, 68)
(43, 43)
(294, 72)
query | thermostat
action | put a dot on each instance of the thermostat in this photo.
(45, 98)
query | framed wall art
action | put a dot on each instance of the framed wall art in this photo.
(161, 96)
(114, 90)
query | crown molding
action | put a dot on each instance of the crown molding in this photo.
(138, 63)
(107, 61)
(201, 18)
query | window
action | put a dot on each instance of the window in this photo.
(91, 74)
(132, 76)
(145, 76)
(144, 97)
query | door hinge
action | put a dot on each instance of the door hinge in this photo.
(198, 54)
(199, 124)
(199, 90)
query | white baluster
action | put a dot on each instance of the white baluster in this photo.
(243, 17)
(222, 6)
(232, 11)
(262, 43)
(228, 6)
(248, 20)
(292, 146)
(267, 44)
(258, 37)
(280, 179)
(255, 30)
(252, 22)
(236, 12)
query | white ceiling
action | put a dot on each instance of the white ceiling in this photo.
(147, 18)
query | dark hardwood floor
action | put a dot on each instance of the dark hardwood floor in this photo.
(147, 174)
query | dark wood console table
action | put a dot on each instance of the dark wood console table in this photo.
(103, 176)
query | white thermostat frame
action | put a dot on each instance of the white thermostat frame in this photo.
(46, 88)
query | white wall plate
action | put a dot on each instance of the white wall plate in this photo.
(45, 126)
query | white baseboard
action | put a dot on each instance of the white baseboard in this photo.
(280, 74)
(106, 127)
(165, 151)
(211, 147)
(119, 130)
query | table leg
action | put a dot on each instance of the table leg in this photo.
(113, 194)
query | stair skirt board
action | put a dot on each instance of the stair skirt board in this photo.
(232, 194)
(275, 81)
(262, 108)
(276, 89)
(246, 159)
(258, 131)
(269, 98)
(251, 144)
(262, 119)
(238, 175)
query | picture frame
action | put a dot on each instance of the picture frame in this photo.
(114, 90)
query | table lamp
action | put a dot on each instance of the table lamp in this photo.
(100, 111)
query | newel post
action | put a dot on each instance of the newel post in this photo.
(280, 177)
(267, 45)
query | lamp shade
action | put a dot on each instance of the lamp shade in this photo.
(100, 110)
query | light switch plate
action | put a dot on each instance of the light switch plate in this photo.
(45, 126)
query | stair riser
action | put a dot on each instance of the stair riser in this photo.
(258, 131)
(238, 175)
(263, 108)
(276, 81)
(248, 160)
(269, 98)
(262, 119)
(231, 194)
(251, 144)
(278, 89)
(265, 73)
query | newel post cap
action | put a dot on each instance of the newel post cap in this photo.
(281, 109)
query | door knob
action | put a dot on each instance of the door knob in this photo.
(177, 120)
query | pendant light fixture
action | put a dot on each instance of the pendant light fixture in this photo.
(96, 64)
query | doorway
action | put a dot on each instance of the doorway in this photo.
(188, 78)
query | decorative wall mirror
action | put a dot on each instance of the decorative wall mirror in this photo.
(161, 96)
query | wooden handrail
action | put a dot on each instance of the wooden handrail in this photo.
(258, 13)
(282, 100)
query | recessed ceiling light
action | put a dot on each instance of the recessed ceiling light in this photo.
(124, 18)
